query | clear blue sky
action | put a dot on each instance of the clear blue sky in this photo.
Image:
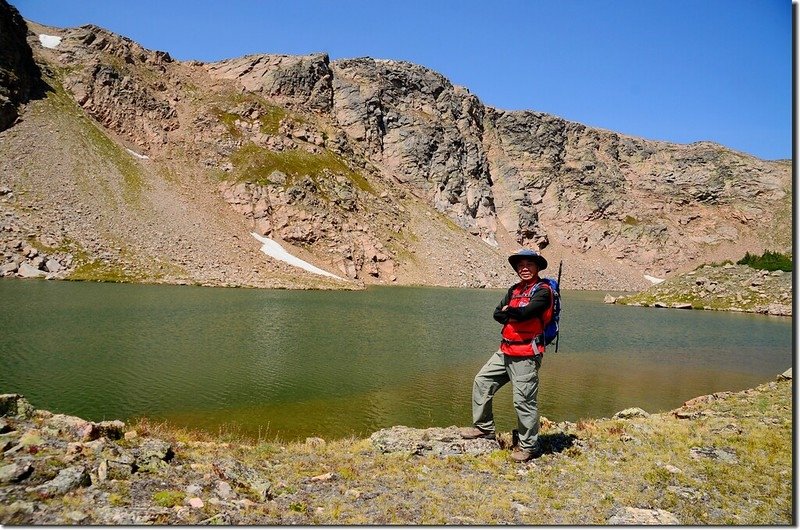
(674, 70)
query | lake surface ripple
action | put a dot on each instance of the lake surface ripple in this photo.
(290, 364)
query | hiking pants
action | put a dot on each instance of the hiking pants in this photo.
(523, 372)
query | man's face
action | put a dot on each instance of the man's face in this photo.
(527, 269)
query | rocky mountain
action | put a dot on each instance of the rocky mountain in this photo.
(133, 166)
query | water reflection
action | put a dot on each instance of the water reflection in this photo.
(296, 364)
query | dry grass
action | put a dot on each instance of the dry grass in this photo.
(724, 461)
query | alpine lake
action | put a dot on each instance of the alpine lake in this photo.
(286, 365)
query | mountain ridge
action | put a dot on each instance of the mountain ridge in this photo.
(377, 170)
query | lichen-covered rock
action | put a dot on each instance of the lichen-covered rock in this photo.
(15, 405)
(152, 455)
(15, 472)
(633, 412)
(66, 480)
(432, 441)
(245, 476)
(643, 516)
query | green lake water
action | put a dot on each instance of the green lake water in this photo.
(291, 364)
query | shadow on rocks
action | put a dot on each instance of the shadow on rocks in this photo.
(556, 442)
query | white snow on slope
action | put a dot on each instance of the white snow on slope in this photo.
(49, 41)
(653, 279)
(137, 155)
(273, 249)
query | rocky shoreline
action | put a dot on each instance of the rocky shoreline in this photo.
(727, 287)
(680, 467)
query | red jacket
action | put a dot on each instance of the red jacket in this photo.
(530, 307)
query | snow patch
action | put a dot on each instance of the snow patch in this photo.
(49, 41)
(137, 155)
(653, 279)
(273, 249)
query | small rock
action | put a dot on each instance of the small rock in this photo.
(671, 469)
(315, 442)
(193, 490)
(322, 478)
(16, 472)
(608, 299)
(633, 412)
(353, 493)
(102, 471)
(223, 490)
(785, 376)
(238, 473)
(641, 516)
(685, 492)
(76, 516)
(66, 480)
(196, 502)
(521, 508)
(722, 454)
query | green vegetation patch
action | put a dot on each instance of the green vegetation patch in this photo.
(768, 261)
(256, 164)
(269, 116)
(169, 498)
(630, 220)
(229, 120)
(99, 271)
(270, 119)
(97, 140)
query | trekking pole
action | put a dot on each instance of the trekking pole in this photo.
(560, 263)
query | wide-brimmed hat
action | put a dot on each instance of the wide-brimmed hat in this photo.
(525, 253)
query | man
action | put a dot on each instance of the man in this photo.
(524, 311)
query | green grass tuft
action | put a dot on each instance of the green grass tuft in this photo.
(169, 498)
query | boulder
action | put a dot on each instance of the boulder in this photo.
(28, 271)
(52, 265)
(15, 405)
(8, 269)
(153, 455)
(73, 427)
(435, 441)
(67, 479)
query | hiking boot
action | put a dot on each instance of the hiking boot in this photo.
(472, 433)
(523, 455)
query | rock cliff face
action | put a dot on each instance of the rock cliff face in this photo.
(18, 73)
(379, 171)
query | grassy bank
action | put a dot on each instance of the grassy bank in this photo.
(718, 460)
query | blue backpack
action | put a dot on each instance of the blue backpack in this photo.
(551, 328)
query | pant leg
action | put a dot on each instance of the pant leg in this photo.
(524, 374)
(490, 378)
